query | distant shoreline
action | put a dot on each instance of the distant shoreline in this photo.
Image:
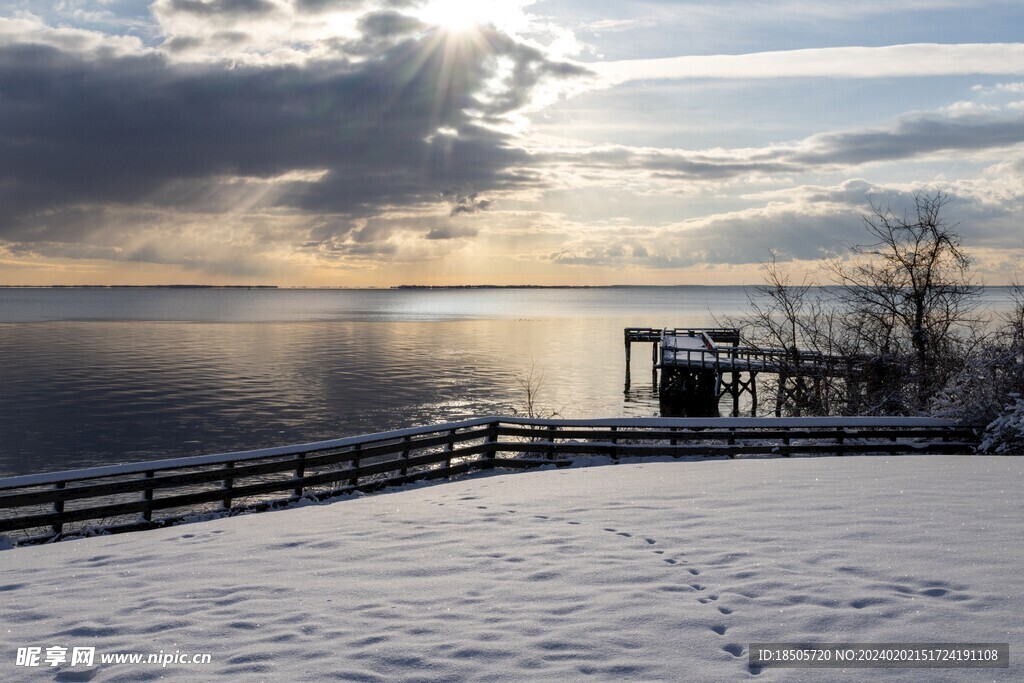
(552, 286)
(410, 287)
(393, 287)
(139, 287)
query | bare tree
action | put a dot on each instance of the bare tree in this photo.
(908, 293)
(531, 384)
(800, 319)
(1012, 331)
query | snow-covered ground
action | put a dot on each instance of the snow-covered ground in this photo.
(649, 571)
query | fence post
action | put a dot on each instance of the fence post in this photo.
(552, 430)
(492, 440)
(449, 448)
(840, 441)
(354, 480)
(58, 507)
(406, 446)
(753, 394)
(147, 496)
(300, 472)
(626, 338)
(229, 483)
(615, 448)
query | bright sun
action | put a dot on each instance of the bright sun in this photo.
(459, 16)
(450, 14)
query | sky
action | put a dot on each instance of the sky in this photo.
(447, 142)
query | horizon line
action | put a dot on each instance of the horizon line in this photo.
(382, 287)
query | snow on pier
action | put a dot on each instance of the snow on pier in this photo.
(700, 366)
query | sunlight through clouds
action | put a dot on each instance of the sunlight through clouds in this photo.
(326, 141)
(460, 15)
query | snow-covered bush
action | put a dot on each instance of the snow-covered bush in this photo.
(978, 393)
(1005, 434)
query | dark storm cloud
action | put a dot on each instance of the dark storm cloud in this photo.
(120, 130)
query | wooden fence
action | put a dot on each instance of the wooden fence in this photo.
(158, 493)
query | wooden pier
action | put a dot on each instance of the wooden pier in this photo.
(698, 367)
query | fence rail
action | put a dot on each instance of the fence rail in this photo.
(158, 493)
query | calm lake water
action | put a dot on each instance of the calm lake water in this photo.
(102, 376)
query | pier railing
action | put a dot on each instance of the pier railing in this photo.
(722, 352)
(35, 508)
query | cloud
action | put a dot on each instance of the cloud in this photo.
(1015, 88)
(267, 136)
(465, 203)
(83, 133)
(389, 23)
(918, 135)
(800, 224)
(792, 231)
(25, 31)
(913, 60)
(318, 6)
(915, 136)
(321, 6)
(222, 8)
(451, 232)
(276, 32)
